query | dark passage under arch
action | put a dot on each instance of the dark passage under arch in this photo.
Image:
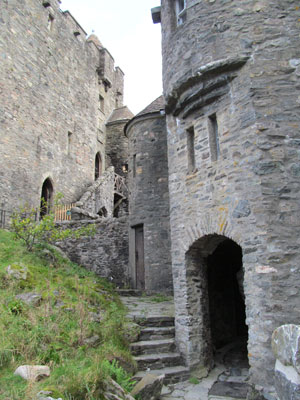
(215, 282)
(46, 197)
(225, 294)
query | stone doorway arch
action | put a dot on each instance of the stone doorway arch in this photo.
(46, 197)
(214, 272)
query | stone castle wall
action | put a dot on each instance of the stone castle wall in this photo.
(105, 253)
(53, 121)
(238, 65)
(149, 200)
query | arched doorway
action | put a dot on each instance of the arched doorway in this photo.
(225, 294)
(215, 279)
(46, 197)
(98, 166)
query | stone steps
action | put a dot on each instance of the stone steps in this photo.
(155, 350)
(157, 333)
(152, 346)
(158, 360)
(130, 292)
(155, 321)
(172, 374)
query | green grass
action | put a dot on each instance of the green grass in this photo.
(54, 336)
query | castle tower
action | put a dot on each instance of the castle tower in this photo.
(231, 85)
(149, 226)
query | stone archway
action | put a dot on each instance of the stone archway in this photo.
(216, 301)
(46, 197)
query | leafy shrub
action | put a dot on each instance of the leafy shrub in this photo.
(26, 227)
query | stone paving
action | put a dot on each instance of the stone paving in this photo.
(145, 307)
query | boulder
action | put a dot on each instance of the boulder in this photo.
(17, 271)
(286, 348)
(287, 382)
(46, 395)
(96, 317)
(92, 341)
(32, 299)
(132, 332)
(113, 391)
(149, 388)
(32, 372)
(286, 345)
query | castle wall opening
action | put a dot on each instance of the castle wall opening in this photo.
(225, 294)
(216, 299)
(46, 197)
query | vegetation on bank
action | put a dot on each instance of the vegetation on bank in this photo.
(75, 306)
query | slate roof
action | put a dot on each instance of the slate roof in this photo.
(156, 105)
(120, 114)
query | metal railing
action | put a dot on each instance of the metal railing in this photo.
(61, 213)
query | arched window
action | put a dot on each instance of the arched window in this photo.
(46, 197)
(98, 166)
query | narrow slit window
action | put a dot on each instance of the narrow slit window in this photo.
(101, 102)
(213, 137)
(190, 138)
(69, 142)
(50, 22)
(134, 165)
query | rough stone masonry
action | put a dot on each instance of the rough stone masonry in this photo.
(231, 76)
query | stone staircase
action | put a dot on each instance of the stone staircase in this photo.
(156, 351)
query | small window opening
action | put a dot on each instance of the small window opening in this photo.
(76, 33)
(70, 134)
(180, 11)
(46, 4)
(101, 102)
(50, 22)
(98, 166)
(190, 137)
(213, 137)
(134, 165)
(125, 168)
(102, 212)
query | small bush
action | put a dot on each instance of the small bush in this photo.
(26, 227)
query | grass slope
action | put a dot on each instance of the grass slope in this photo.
(54, 332)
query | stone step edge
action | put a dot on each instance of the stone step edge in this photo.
(154, 321)
(158, 329)
(160, 356)
(152, 343)
(169, 372)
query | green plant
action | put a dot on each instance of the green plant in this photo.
(118, 374)
(194, 380)
(26, 227)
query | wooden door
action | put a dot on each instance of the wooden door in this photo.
(139, 257)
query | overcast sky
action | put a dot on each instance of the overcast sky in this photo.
(125, 28)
